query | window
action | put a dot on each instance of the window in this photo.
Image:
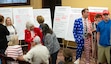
(14, 2)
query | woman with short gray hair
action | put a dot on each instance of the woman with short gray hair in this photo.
(30, 32)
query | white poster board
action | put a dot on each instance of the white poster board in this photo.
(61, 18)
(6, 12)
(97, 9)
(45, 13)
(75, 14)
(21, 16)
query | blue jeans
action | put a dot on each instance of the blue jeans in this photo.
(0, 61)
(2, 51)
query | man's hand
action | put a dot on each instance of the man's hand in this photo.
(20, 58)
(88, 35)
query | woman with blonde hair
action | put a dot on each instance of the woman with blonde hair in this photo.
(30, 32)
(10, 27)
(40, 20)
(14, 50)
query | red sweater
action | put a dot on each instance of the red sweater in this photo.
(28, 37)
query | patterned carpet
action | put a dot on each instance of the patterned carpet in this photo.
(60, 57)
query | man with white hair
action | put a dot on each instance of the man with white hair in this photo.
(38, 54)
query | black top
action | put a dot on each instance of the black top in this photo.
(3, 40)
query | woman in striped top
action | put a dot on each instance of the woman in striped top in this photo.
(14, 50)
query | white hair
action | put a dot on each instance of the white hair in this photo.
(37, 40)
(28, 25)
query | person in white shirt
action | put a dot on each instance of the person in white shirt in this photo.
(10, 28)
(38, 54)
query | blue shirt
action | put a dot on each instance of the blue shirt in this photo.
(104, 29)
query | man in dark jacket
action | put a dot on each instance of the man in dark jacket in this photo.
(3, 32)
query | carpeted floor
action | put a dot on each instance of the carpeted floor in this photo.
(60, 57)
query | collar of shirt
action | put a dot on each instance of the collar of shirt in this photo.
(107, 21)
(83, 20)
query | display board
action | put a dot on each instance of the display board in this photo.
(97, 9)
(61, 18)
(21, 16)
(6, 12)
(75, 13)
(45, 13)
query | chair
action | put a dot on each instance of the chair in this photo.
(1, 56)
(23, 62)
(6, 59)
(9, 58)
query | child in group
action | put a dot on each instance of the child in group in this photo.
(98, 18)
(13, 50)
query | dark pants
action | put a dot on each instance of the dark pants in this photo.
(2, 51)
(54, 57)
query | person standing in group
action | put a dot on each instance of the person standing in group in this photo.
(51, 42)
(82, 33)
(103, 39)
(40, 20)
(30, 32)
(38, 54)
(13, 50)
(3, 40)
(98, 18)
(10, 28)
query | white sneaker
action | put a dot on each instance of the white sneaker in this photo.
(77, 61)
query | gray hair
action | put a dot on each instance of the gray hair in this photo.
(37, 40)
(28, 25)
